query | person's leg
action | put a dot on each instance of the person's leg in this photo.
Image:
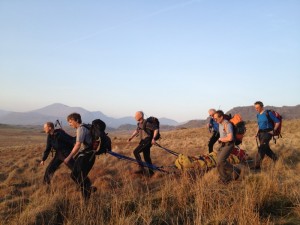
(82, 167)
(213, 139)
(147, 156)
(88, 163)
(51, 168)
(271, 154)
(76, 172)
(267, 149)
(261, 150)
(136, 152)
(225, 169)
(264, 148)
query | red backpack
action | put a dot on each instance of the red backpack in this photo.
(276, 133)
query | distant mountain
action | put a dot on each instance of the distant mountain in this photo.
(60, 111)
(193, 124)
(3, 112)
(249, 114)
(166, 121)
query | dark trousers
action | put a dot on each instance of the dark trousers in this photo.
(213, 139)
(226, 171)
(83, 164)
(264, 148)
(54, 165)
(144, 146)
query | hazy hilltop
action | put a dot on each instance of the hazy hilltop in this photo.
(3, 112)
(60, 111)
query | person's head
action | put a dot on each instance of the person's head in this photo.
(211, 112)
(139, 116)
(48, 127)
(74, 120)
(259, 106)
(219, 116)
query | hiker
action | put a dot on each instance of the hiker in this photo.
(84, 155)
(62, 143)
(148, 133)
(227, 172)
(265, 131)
(213, 127)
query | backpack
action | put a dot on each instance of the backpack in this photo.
(60, 137)
(279, 117)
(240, 153)
(154, 121)
(101, 142)
(239, 127)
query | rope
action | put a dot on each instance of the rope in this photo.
(145, 164)
(168, 150)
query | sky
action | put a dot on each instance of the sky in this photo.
(169, 58)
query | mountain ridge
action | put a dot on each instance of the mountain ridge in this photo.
(59, 111)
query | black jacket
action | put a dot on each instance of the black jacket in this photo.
(59, 141)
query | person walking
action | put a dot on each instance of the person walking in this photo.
(265, 131)
(227, 172)
(148, 132)
(62, 143)
(84, 155)
(213, 128)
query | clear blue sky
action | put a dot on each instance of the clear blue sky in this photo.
(169, 58)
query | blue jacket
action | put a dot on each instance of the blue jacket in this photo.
(214, 125)
(264, 123)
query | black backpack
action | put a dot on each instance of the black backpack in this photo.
(101, 142)
(155, 122)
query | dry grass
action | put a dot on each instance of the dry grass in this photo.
(269, 197)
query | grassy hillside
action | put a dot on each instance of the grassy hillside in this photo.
(269, 197)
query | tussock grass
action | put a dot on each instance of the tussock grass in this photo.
(268, 197)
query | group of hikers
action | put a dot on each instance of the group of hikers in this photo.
(222, 132)
(78, 152)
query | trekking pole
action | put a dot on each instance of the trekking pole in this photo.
(257, 158)
(257, 143)
(58, 123)
(168, 150)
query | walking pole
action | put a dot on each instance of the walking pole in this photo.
(257, 157)
(257, 142)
